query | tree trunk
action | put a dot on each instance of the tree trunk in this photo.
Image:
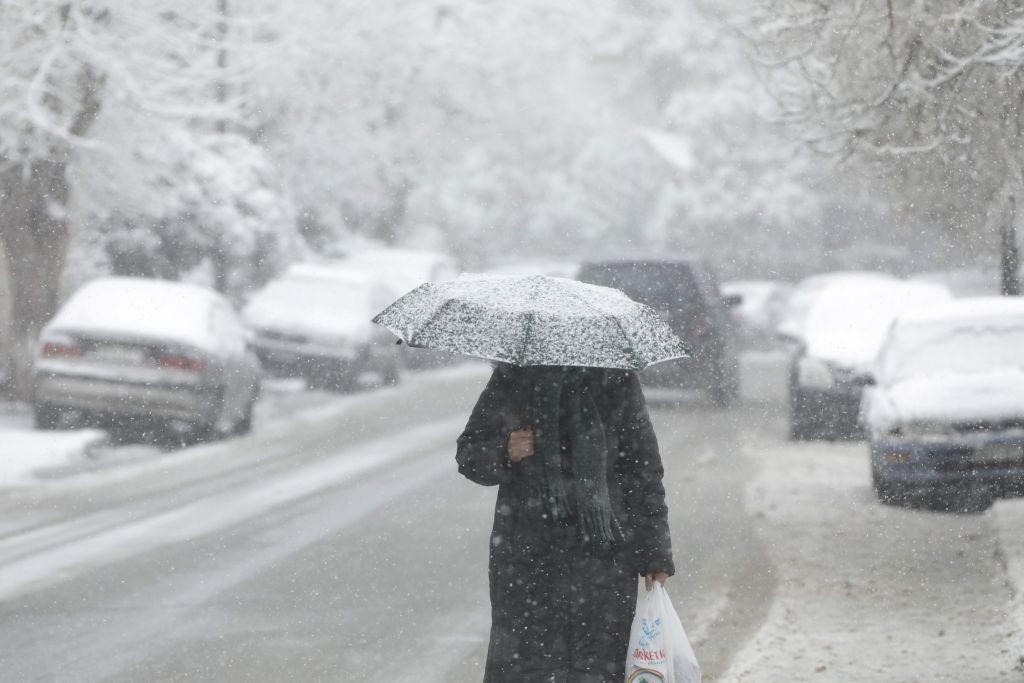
(1009, 254)
(35, 239)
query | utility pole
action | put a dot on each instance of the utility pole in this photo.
(1009, 253)
(222, 61)
(219, 256)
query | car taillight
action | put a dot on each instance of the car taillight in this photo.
(180, 362)
(61, 350)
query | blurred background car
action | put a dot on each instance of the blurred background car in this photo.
(124, 350)
(685, 293)
(314, 322)
(946, 412)
(566, 269)
(840, 339)
(762, 303)
(402, 270)
(793, 317)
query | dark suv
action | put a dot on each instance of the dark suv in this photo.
(685, 293)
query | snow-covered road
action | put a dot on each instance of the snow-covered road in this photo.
(337, 541)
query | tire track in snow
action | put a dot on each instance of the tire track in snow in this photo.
(54, 553)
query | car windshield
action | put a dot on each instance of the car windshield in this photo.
(936, 348)
(663, 287)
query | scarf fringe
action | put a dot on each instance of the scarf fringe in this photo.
(550, 499)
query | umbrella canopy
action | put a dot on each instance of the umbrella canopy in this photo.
(533, 320)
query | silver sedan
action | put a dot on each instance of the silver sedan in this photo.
(127, 350)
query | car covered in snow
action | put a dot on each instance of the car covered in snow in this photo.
(792, 318)
(946, 409)
(402, 270)
(684, 292)
(839, 341)
(125, 350)
(314, 322)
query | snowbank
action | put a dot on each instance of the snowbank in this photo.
(24, 451)
(868, 592)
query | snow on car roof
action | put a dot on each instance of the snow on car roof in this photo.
(801, 301)
(140, 308)
(403, 269)
(966, 309)
(848, 320)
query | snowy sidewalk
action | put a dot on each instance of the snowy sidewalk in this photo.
(24, 451)
(869, 592)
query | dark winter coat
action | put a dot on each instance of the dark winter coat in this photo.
(561, 610)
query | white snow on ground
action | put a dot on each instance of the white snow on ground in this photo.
(868, 592)
(24, 451)
(284, 406)
(39, 563)
(1008, 516)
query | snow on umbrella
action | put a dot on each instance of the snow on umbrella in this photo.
(534, 320)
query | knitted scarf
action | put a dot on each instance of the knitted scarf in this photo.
(547, 495)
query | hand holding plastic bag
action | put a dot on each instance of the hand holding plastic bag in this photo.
(659, 651)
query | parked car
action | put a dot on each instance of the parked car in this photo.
(314, 322)
(685, 293)
(760, 310)
(841, 337)
(403, 270)
(793, 316)
(132, 349)
(946, 412)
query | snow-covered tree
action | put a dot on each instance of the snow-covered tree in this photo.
(927, 92)
(520, 126)
(144, 72)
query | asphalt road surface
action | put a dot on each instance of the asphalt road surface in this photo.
(340, 543)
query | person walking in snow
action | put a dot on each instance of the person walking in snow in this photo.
(580, 514)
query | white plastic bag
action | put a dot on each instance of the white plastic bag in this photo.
(659, 651)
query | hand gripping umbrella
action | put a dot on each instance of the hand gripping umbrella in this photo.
(533, 320)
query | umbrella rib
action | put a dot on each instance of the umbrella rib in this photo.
(429, 321)
(531, 318)
(585, 302)
(632, 343)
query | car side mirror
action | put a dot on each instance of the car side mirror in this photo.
(732, 300)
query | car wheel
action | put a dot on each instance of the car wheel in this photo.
(886, 491)
(215, 428)
(392, 373)
(48, 417)
(805, 423)
(725, 388)
(244, 424)
(342, 380)
(798, 428)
